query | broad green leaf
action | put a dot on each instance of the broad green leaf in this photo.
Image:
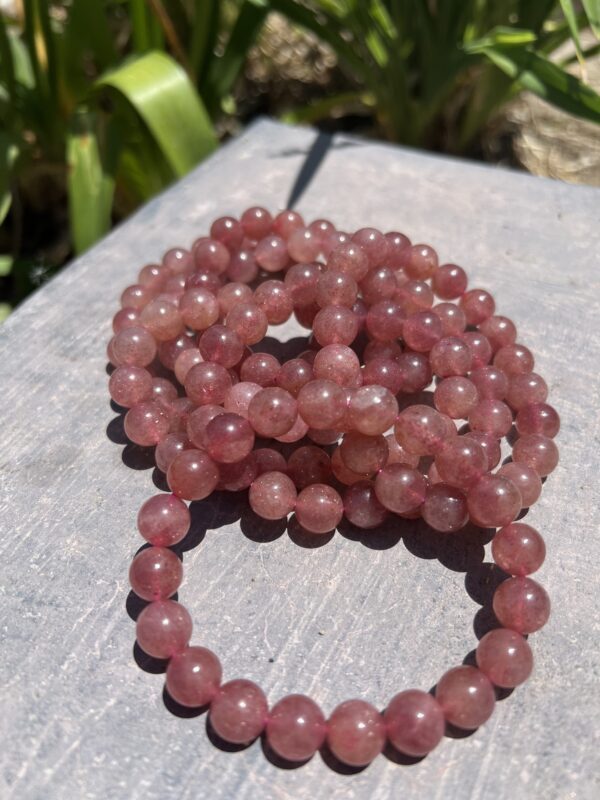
(6, 263)
(571, 17)
(86, 33)
(160, 92)
(592, 9)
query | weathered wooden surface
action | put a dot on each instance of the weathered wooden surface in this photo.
(81, 719)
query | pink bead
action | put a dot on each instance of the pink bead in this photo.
(449, 281)
(518, 549)
(296, 728)
(305, 316)
(505, 657)
(361, 506)
(525, 479)
(414, 722)
(136, 297)
(303, 245)
(537, 451)
(164, 392)
(308, 465)
(232, 294)
(242, 267)
(421, 430)
(175, 286)
(421, 262)
(248, 321)
(207, 383)
(125, 318)
(179, 411)
(271, 253)
(524, 390)
(286, 222)
(452, 318)
(185, 361)
(490, 382)
(162, 319)
(154, 277)
(178, 260)
(538, 418)
(272, 412)
(481, 349)
(416, 372)
(385, 321)
(341, 472)
(293, 375)
(256, 222)
(333, 239)
(400, 488)
(494, 501)
(478, 305)
(383, 372)
(398, 245)
(364, 454)
(349, 258)
(260, 368)
(450, 356)
(239, 476)
(163, 629)
(522, 605)
(499, 331)
(129, 386)
(466, 696)
(422, 330)
(322, 228)
(275, 301)
(455, 396)
(445, 508)
(336, 288)
(171, 349)
(163, 520)
(238, 712)
(272, 495)
(210, 256)
(168, 448)
(221, 345)
(209, 281)
(193, 475)
(356, 733)
(491, 416)
(379, 284)
(301, 281)
(514, 359)
(228, 438)
(321, 404)
(398, 455)
(335, 325)
(193, 677)
(372, 410)
(490, 445)
(413, 296)
(388, 351)
(375, 245)
(319, 508)
(239, 397)
(197, 422)
(146, 424)
(228, 231)
(462, 463)
(269, 460)
(155, 573)
(134, 347)
(337, 363)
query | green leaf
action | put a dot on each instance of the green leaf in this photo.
(145, 30)
(86, 35)
(8, 155)
(571, 17)
(504, 37)
(205, 27)
(90, 187)
(161, 94)
(592, 9)
(6, 263)
(323, 108)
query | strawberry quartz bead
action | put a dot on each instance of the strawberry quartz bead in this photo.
(337, 363)
(416, 372)
(452, 318)
(342, 473)
(414, 722)
(379, 284)
(455, 396)
(499, 331)
(421, 262)
(445, 508)
(521, 604)
(296, 728)
(130, 385)
(154, 277)
(134, 347)
(537, 451)
(228, 231)
(248, 321)
(514, 359)
(494, 501)
(421, 430)
(256, 222)
(538, 418)
(304, 246)
(383, 372)
(193, 677)
(286, 222)
(398, 244)
(450, 356)
(170, 350)
(421, 331)
(271, 253)
(210, 256)
(207, 383)
(269, 460)
(239, 476)
(185, 361)
(361, 506)
(163, 629)
(319, 508)
(193, 475)
(491, 416)
(301, 281)
(523, 390)
(491, 383)
(372, 410)
(168, 448)
(375, 245)
(350, 259)
(336, 288)
(400, 488)
(481, 349)
(355, 733)
(466, 696)
(163, 520)
(398, 455)
(321, 404)
(518, 549)
(197, 422)
(261, 368)
(199, 308)
(272, 495)
(178, 260)
(449, 281)
(298, 431)
(228, 438)
(155, 573)
(239, 711)
(232, 294)
(242, 267)
(413, 296)
(374, 350)
(275, 301)
(209, 281)
(125, 318)
(505, 657)
(293, 375)
(272, 412)
(136, 296)
(309, 464)
(146, 424)
(240, 396)
(335, 325)
(221, 345)
(364, 454)
(162, 319)
(525, 479)
(385, 321)
(478, 305)
(333, 240)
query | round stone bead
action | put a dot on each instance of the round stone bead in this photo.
(389, 351)
(521, 604)
(125, 318)
(494, 501)
(398, 455)
(197, 422)
(466, 696)
(163, 629)
(336, 288)
(445, 508)
(349, 258)
(538, 418)
(162, 319)
(319, 508)
(146, 424)
(455, 396)
(136, 296)
(239, 397)
(272, 412)
(296, 728)
(490, 445)
(361, 506)
(239, 711)
(341, 471)
(229, 438)
(491, 416)
(385, 321)
(193, 475)
(400, 488)
(491, 383)
(242, 266)
(452, 318)
(372, 410)
(163, 520)
(398, 244)
(193, 677)
(481, 349)
(228, 231)
(221, 345)
(248, 321)
(204, 280)
(293, 375)
(364, 454)
(356, 733)
(518, 549)
(207, 384)
(499, 331)
(232, 294)
(274, 300)
(421, 262)
(514, 359)
(335, 325)
(256, 222)
(421, 331)
(129, 386)
(134, 347)
(321, 404)
(286, 222)
(505, 657)
(450, 356)
(301, 281)
(261, 368)
(210, 256)
(477, 305)
(375, 245)
(416, 372)
(272, 495)
(309, 464)
(168, 448)
(413, 296)
(304, 245)
(537, 451)
(383, 372)
(185, 361)
(414, 722)
(178, 260)
(269, 460)
(155, 573)
(337, 363)
(421, 429)
(271, 253)
(239, 476)
(379, 284)
(449, 281)
(523, 390)
(526, 480)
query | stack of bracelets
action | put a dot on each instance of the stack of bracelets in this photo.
(368, 445)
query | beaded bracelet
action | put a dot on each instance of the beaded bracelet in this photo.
(368, 445)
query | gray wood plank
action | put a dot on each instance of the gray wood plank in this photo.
(364, 617)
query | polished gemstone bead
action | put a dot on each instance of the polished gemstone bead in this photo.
(466, 696)
(400, 488)
(355, 733)
(388, 351)
(422, 330)
(385, 321)
(209, 281)
(398, 455)
(361, 506)
(260, 368)
(171, 349)
(164, 392)
(272, 495)
(337, 363)
(305, 316)
(228, 438)
(319, 508)
(146, 424)
(168, 448)
(372, 410)
(514, 359)
(309, 464)
(125, 318)
(364, 454)
(349, 258)
(321, 404)
(210, 255)
(481, 349)
(445, 508)
(242, 266)
(379, 284)
(525, 479)
(450, 356)
(538, 418)
(129, 386)
(193, 475)
(232, 294)
(452, 318)
(332, 240)
(207, 383)
(303, 245)
(449, 281)
(296, 728)
(537, 451)
(335, 325)
(136, 296)
(342, 473)
(521, 604)
(518, 549)
(491, 383)
(154, 277)
(271, 253)
(221, 345)
(275, 301)
(163, 520)
(197, 421)
(193, 677)
(491, 416)
(179, 412)
(248, 321)
(178, 260)
(155, 573)
(420, 429)
(228, 231)
(416, 372)
(336, 288)
(238, 476)
(398, 245)
(455, 396)
(239, 711)
(413, 296)
(185, 361)
(239, 397)
(286, 222)
(301, 281)
(494, 501)
(478, 305)
(505, 657)
(499, 331)
(163, 629)
(272, 412)
(269, 460)
(256, 222)
(375, 245)
(383, 372)
(295, 374)
(490, 445)
(421, 262)
(523, 390)
(133, 347)
(414, 722)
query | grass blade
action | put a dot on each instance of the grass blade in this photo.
(8, 155)
(592, 10)
(205, 27)
(571, 17)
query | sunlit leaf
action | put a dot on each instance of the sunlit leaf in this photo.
(571, 17)
(592, 9)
